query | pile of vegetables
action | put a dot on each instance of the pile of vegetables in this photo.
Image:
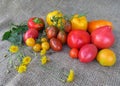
(88, 40)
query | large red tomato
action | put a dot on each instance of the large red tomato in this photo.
(87, 53)
(78, 38)
(103, 37)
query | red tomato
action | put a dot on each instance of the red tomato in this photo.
(73, 53)
(103, 37)
(78, 38)
(67, 26)
(51, 32)
(30, 33)
(62, 36)
(87, 53)
(55, 44)
(36, 23)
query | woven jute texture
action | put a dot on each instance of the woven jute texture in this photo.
(90, 74)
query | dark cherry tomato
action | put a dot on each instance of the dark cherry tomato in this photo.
(73, 53)
(55, 44)
(62, 36)
(87, 53)
(51, 31)
(67, 26)
(30, 33)
(36, 23)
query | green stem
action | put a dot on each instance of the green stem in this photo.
(37, 20)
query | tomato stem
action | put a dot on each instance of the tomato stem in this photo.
(37, 20)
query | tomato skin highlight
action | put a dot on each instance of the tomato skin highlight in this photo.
(103, 37)
(78, 38)
(87, 53)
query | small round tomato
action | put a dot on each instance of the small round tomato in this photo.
(55, 44)
(73, 53)
(37, 47)
(94, 24)
(87, 53)
(45, 45)
(51, 31)
(30, 42)
(62, 36)
(106, 57)
(67, 26)
(43, 39)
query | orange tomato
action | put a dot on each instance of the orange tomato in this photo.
(30, 42)
(37, 47)
(106, 57)
(94, 24)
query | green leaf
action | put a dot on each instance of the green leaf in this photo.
(6, 35)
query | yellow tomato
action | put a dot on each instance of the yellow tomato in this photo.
(43, 39)
(79, 22)
(37, 47)
(30, 42)
(45, 45)
(55, 18)
(106, 57)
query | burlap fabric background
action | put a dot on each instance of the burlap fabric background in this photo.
(91, 74)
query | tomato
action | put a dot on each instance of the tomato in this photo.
(55, 18)
(51, 31)
(30, 33)
(73, 53)
(45, 45)
(67, 26)
(43, 39)
(87, 53)
(79, 22)
(78, 38)
(55, 44)
(37, 47)
(94, 24)
(106, 57)
(30, 42)
(103, 37)
(36, 23)
(62, 36)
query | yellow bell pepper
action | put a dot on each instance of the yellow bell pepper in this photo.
(55, 18)
(79, 22)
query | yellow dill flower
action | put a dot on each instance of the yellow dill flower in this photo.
(26, 60)
(13, 49)
(22, 69)
(43, 52)
(71, 75)
(44, 60)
